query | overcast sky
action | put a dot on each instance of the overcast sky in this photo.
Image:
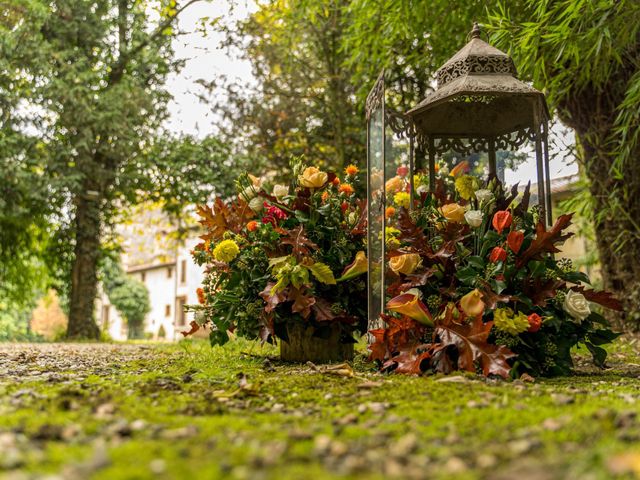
(205, 59)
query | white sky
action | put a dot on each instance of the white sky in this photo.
(206, 59)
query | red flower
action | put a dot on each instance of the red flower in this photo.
(514, 240)
(498, 254)
(501, 220)
(402, 171)
(535, 322)
(344, 206)
(273, 214)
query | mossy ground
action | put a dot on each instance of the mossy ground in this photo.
(186, 410)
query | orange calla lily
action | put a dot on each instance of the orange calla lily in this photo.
(357, 267)
(472, 304)
(411, 306)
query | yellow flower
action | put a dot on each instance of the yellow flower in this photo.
(472, 303)
(402, 199)
(466, 186)
(505, 321)
(453, 212)
(312, 178)
(351, 170)
(391, 240)
(226, 251)
(406, 263)
(357, 267)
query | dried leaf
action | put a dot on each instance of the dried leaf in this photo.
(601, 297)
(301, 303)
(300, 244)
(546, 240)
(194, 328)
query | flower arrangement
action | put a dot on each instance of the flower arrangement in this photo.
(476, 285)
(280, 255)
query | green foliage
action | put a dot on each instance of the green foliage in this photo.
(128, 295)
(304, 99)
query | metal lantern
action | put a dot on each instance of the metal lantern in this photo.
(479, 106)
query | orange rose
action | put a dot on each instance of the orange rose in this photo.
(406, 263)
(252, 226)
(411, 306)
(395, 184)
(472, 304)
(453, 212)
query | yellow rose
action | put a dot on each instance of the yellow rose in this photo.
(472, 304)
(406, 263)
(453, 212)
(312, 178)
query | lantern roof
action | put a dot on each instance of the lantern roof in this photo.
(478, 94)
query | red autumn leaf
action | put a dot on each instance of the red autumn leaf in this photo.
(491, 298)
(409, 361)
(470, 341)
(272, 301)
(361, 227)
(301, 303)
(300, 244)
(411, 233)
(194, 328)
(606, 299)
(539, 290)
(523, 207)
(378, 348)
(223, 217)
(322, 311)
(546, 240)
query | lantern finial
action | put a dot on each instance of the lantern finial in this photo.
(475, 31)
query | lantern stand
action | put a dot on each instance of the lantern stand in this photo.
(479, 105)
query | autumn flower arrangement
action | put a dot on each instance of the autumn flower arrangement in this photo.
(279, 255)
(476, 286)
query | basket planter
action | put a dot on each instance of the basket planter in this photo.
(304, 347)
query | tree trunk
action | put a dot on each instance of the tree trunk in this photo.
(84, 279)
(616, 199)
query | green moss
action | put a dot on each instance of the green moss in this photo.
(275, 426)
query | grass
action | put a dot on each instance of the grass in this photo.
(190, 411)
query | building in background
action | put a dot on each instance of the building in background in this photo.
(157, 253)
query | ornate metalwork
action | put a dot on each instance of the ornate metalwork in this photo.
(376, 96)
(475, 64)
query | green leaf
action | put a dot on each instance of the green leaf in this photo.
(278, 260)
(602, 336)
(599, 354)
(218, 337)
(323, 273)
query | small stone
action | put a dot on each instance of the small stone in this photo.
(328, 396)
(11, 458)
(180, 433)
(138, 425)
(486, 461)
(405, 446)
(455, 465)
(105, 410)
(347, 420)
(453, 379)
(277, 408)
(157, 466)
(520, 447)
(322, 444)
(562, 399)
(299, 435)
(338, 449)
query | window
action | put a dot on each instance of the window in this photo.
(167, 310)
(180, 313)
(169, 272)
(143, 277)
(183, 271)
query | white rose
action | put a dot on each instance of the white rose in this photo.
(280, 191)
(353, 218)
(422, 189)
(576, 305)
(444, 170)
(256, 204)
(484, 195)
(474, 218)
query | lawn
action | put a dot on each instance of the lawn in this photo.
(111, 411)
